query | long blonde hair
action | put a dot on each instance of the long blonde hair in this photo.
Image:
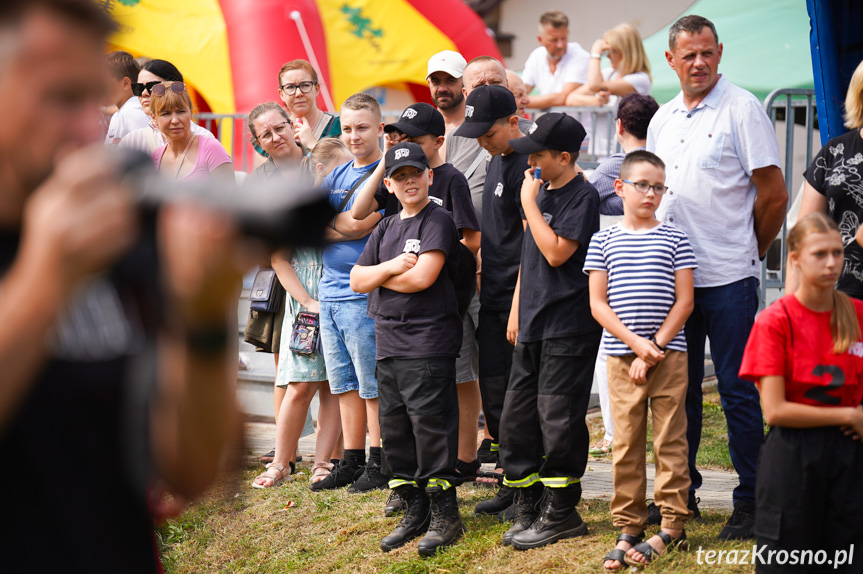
(626, 39)
(854, 100)
(844, 324)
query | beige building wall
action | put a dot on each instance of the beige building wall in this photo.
(587, 20)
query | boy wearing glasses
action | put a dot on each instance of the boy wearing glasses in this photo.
(641, 291)
(543, 434)
(130, 116)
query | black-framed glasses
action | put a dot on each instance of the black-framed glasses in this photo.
(644, 187)
(291, 89)
(280, 129)
(162, 88)
(138, 88)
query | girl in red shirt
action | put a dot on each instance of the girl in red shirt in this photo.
(806, 356)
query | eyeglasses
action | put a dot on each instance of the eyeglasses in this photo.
(305, 87)
(279, 129)
(644, 187)
(162, 88)
(138, 89)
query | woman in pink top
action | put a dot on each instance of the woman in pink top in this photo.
(186, 155)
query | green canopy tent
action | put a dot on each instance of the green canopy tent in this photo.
(766, 46)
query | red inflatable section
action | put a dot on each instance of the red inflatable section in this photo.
(461, 24)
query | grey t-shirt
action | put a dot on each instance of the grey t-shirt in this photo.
(461, 152)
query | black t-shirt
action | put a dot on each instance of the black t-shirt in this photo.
(77, 443)
(422, 324)
(555, 301)
(837, 173)
(449, 189)
(502, 229)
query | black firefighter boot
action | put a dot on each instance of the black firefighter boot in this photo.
(527, 506)
(558, 519)
(414, 522)
(446, 525)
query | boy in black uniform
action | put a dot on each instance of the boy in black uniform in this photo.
(423, 125)
(418, 333)
(544, 438)
(490, 117)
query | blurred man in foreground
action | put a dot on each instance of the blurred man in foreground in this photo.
(85, 429)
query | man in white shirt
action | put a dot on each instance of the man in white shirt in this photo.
(727, 193)
(130, 116)
(558, 66)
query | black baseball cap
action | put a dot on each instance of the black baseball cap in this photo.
(405, 153)
(485, 105)
(418, 120)
(553, 130)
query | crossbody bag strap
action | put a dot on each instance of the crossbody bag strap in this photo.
(483, 155)
(353, 189)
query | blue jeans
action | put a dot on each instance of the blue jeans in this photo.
(348, 339)
(725, 315)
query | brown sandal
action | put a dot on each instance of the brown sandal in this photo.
(277, 473)
(321, 470)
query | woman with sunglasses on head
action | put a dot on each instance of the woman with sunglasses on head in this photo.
(186, 154)
(298, 377)
(299, 89)
(149, 138)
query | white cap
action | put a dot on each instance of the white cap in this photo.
(447, 61)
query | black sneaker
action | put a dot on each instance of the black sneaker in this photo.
(741, 523)
(654, 516)
(393, 505)
(342, 475)
(502, 500)
(484, 453)
(372, 478)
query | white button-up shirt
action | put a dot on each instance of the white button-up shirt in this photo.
(572, 67)
(709, 154)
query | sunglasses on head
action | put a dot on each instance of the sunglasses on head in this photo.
(161, 88)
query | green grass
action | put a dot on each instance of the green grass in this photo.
(237, 529)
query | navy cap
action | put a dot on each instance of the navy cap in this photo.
(555, 131)
(418, 120)
(405, 153)
(485, 105)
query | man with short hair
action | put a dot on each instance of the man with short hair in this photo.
(516, 86)
(130, 115)
(558, 66)
(727, 193)
(110, 384)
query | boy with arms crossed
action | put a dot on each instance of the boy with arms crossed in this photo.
(423, 125)
(543, 434)
(641, 291)
(418, 329)
(490, 118)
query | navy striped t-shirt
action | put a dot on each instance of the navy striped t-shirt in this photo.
(640, 267)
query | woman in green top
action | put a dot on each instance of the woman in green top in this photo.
(299, 89)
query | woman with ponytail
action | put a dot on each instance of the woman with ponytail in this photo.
(806, 356)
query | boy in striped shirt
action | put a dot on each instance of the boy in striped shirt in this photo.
(641, 292)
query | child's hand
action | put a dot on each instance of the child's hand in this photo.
(530, 187)
(647, 351)
(855, 429)
(638, 371)
(859, 236)
(392, 138)
(512, 327)
(402, 263)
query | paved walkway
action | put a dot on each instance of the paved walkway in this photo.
(715, 493)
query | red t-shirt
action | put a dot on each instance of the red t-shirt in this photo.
(792, 341)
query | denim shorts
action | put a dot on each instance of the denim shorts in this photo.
(348, 339)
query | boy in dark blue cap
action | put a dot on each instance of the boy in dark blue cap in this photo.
(491, 118)
(418, 333)
(423, 125)
(544, 437)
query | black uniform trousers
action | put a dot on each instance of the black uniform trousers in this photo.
(495, 363)
(544, 411)
(809, 496)
(418, 412)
